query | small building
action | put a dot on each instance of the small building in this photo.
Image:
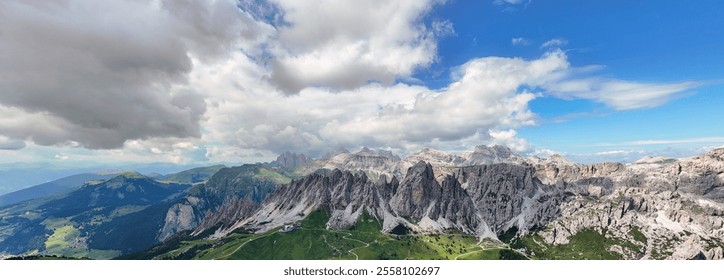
(288, 228)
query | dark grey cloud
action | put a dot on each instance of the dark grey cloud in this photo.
(103, 72)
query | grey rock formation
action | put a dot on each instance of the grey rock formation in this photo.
(509, 195)
(433, 207)
(373, 163)
(227, 214)
(223, 188)
(290, 161)
(488, 155)
(343, 194)
(675, 204)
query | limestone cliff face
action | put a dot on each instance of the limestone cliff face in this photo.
(373, 163)
(420, 199)
(345, 195)
(509, 195)
(290, 161)
(418, 202)
(676, 204)
(227, 214)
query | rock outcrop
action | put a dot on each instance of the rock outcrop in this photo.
(290, 161)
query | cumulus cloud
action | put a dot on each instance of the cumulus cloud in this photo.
(182, 81)
(486, 95)
(347, 44)
(103, 72)
(509, 139)
(487, 100)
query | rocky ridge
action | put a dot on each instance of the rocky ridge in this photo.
(673, 206)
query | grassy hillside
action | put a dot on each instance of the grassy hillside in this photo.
(587, 244)
(311, 240)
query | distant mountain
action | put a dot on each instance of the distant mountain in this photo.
(191, 176)
(98, 220)
(291, 161)
(53, 187)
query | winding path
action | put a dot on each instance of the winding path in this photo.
(347, 235)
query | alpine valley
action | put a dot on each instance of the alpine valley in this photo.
(487, 203)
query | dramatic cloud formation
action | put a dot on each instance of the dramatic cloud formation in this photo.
(347, 44)
(103, 72)
(485, 100)
(183, 81)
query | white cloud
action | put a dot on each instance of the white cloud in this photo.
(519, 41)
(509, 139)
(544, 153)
(346, 44)
(619, 152)
(619, 94)
(61, 157)
(485, 95)
(443, 28)
(198, 81)
(554, 43)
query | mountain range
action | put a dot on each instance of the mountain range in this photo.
(433, 203)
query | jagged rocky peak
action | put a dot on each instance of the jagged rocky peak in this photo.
(343, 194)
(429, 206)
(290, 160)
(416, 191)
(506, 194)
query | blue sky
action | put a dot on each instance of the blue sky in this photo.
(242, 81)
(661, 41)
